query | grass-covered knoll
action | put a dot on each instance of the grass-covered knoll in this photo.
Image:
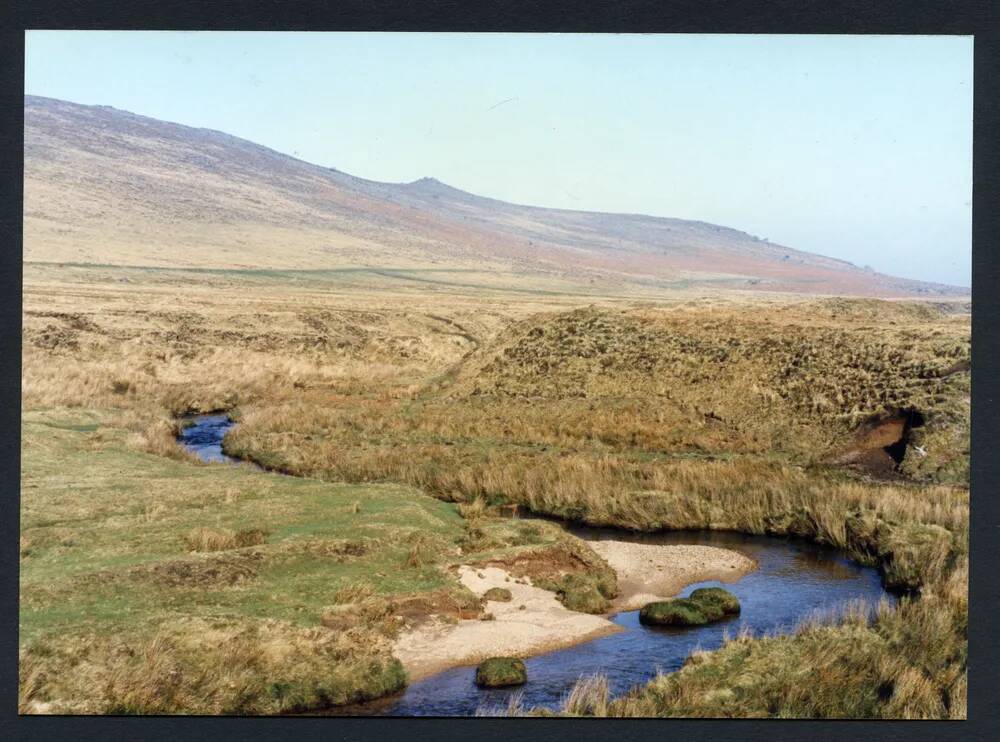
(717, 599)
(676, 612)
(497, 672)
(702, 606)
(581, 592)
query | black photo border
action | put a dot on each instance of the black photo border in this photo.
(950, 17)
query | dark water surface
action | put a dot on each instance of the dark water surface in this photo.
(795, 580)
(203, 436)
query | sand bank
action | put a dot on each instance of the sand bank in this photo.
(541, 625)
(649, 572)
(534, 621)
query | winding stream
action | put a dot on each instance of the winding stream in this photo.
(795, 580)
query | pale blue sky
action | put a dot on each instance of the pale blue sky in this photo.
(850, 146)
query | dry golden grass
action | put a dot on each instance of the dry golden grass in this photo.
(208, 539)
(221, 666)
(353, 592)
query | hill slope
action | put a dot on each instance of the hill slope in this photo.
(107, 186)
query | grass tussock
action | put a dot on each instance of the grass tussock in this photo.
(354, 592)
(500, 594)
(370, 612)
(208, 539)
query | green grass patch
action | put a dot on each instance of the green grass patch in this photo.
(107, 537)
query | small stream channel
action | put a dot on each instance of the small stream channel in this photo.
(203, 434)
(796, 579)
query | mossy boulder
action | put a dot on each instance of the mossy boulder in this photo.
(704, 605)
(497, 672)
(715, 602)
(576, 592)
(712, 610)
(581, 593)
(500, 594)
(677, 612)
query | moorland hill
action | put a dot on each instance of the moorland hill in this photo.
(107, 186)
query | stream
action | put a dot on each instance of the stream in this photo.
(203, 434)
(796, 579)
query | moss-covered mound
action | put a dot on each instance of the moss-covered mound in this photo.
(704, 605)
(497, 672)
(677, 612)
(715, 600)
(711, 610)
(579, 594)
(500, 594)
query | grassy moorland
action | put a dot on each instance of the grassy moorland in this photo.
(152, 584)
(144, 573)
(407, 415)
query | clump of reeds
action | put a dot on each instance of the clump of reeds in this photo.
(203, 538)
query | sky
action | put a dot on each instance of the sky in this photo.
(855, 147)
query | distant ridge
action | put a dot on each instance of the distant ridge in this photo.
(106, 186)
